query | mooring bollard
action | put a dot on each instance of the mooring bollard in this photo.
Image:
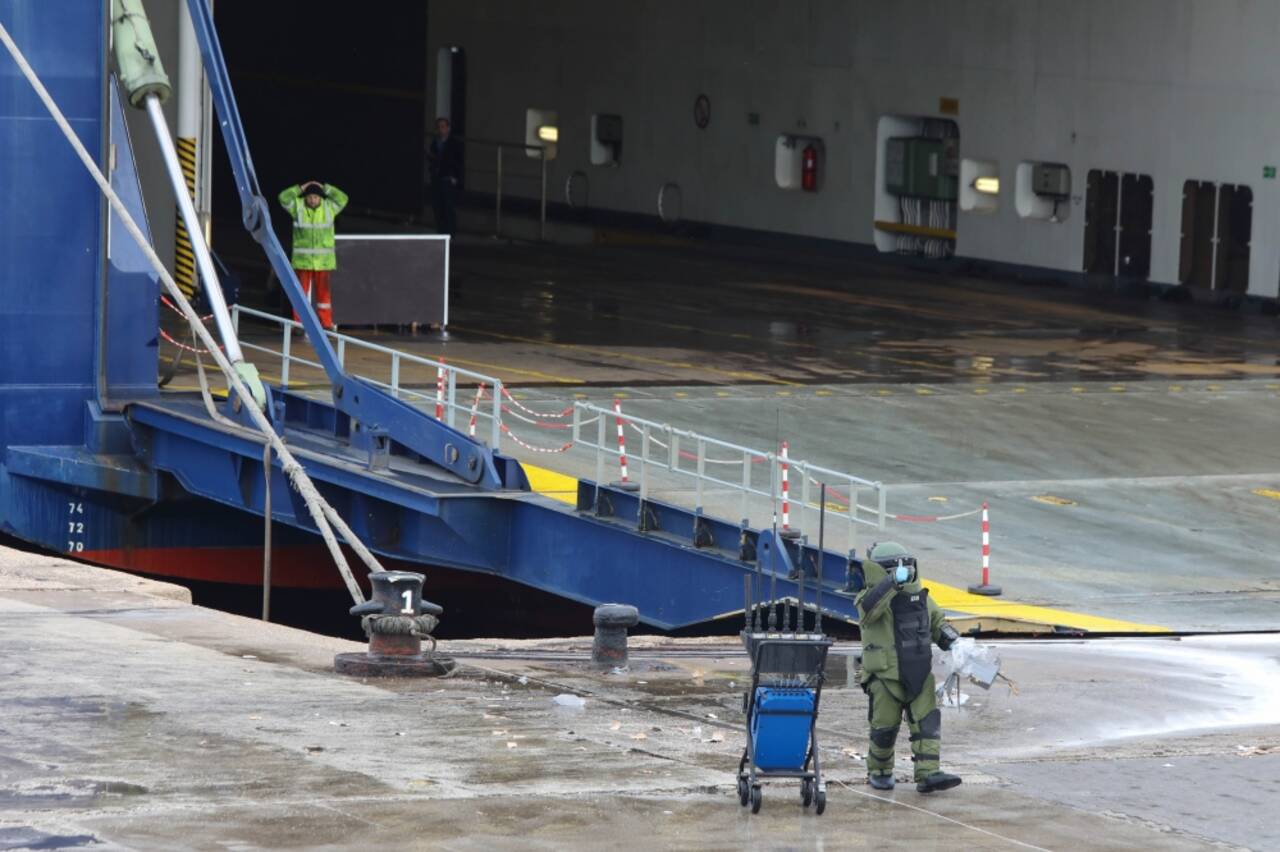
(396, 619)
(609, 648)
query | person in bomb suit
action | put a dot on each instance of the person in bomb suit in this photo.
(899, 623)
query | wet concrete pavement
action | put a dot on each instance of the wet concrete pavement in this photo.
(133, 720)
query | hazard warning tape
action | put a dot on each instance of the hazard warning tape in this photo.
(560, 416)
(530, 447)
(171, 306)
(184, 347)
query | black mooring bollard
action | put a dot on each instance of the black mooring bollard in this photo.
(396, 619)
(609, 648)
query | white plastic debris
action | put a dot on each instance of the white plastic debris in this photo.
(564, 699)
(522, 680)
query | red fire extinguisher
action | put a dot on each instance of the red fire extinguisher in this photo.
(809, 169)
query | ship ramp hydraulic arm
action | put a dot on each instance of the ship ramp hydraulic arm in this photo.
(379, 415)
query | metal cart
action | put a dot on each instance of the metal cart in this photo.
(787, 672)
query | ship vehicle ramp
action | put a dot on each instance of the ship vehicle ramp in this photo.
(102, 465)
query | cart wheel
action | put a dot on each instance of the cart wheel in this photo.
(806, 792)
(820, 802)
(756, 798)
(744, 791)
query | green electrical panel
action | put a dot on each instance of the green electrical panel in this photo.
(919, 167)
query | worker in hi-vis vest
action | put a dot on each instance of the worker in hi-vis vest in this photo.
(313, 207)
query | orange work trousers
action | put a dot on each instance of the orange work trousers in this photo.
(324, 308)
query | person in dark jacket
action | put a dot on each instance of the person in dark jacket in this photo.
(899, 623)
(444, 162)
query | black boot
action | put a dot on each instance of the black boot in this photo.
(881, 782)
(937, 782)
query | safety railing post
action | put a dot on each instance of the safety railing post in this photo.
(496, 435)
(451, 400)
(853, 518)
(673, 450)
(702, 469)
(235, 319)
(804, 494)
(644, 463)
(497, 199)
(542, 205)
(746, 485)
(600, 432)
(342, 351)
(395, 375)
(577, 423)
(285, 346)
(881, 494)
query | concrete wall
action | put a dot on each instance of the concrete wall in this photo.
(1177, 89)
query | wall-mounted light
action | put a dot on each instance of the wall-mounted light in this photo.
(987, 185)
(549, 133)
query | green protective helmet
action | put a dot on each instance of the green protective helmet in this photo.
(888, 553)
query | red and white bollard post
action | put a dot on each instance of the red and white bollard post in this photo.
(624, 483)
(440, 391)
(985, 587)
(786, 531)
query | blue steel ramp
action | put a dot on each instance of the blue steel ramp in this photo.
(677, 567)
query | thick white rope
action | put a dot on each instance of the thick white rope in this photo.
(321, 512)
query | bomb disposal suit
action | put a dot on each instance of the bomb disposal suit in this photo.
(899, 623)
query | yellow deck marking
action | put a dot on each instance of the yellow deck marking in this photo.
(1054, 501)
(822, 393)
(950, 597)
(1019, 390)
(1116, 388)
(981, 391)
(1213, 387)
(1175, 388)
(924, 392)
(681, 394)
(548, 483)
(884, 392)
(938, 499)
(1077, 389)
(1267, 492)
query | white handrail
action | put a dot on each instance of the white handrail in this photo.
(584, 411)
(344, 342)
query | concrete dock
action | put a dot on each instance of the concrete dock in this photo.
(130, 719)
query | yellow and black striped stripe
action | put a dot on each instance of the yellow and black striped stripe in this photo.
(184, 260)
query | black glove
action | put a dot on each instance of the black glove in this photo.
(948, 637)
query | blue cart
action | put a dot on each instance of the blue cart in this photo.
(787, 672)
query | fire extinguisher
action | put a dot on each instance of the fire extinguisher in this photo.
(809, 169)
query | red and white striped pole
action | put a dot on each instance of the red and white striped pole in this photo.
(471, 427)
(985, 587)
(787, 532)
(440, 391)
(623, 483)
